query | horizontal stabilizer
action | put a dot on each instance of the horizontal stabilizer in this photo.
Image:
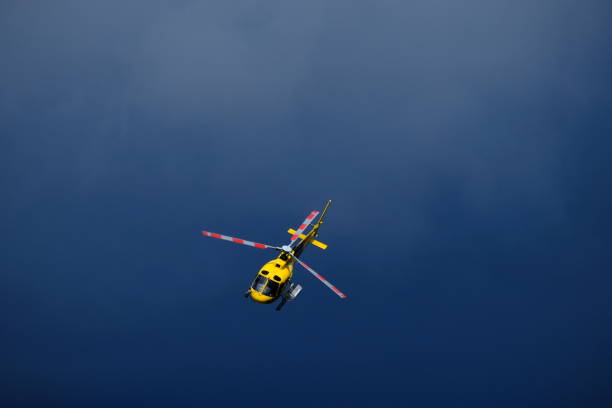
(314, 241)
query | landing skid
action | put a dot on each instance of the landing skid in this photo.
(281, 304)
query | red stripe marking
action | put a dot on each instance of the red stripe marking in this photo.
(293, 238)
(262, 246)
(342, 295)
(238, 240)
(311, 216)
(212, 234)
(302, 226)
(204, 233)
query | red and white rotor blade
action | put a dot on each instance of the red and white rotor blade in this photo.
(321, 278)
(238, 240)
(303, 226)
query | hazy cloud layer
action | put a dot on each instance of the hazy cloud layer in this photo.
(432, 82)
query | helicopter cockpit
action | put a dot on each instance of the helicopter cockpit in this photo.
(265, 286)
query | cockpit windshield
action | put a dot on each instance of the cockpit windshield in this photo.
(271, 289)
(259, 283)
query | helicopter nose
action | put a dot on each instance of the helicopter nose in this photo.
(256, 297)
(260, 298)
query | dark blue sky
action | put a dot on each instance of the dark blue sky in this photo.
(466, 146)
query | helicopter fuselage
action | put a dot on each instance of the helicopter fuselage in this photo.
(271, 279)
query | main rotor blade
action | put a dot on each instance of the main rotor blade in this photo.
(239, 241)
(303, 226)
(319, 277)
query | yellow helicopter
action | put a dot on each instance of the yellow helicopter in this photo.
(274, 280)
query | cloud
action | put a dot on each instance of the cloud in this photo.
(402, 95)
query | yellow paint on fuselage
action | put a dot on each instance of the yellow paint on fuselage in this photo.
(276, 267)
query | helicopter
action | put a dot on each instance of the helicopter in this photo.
(275, 279)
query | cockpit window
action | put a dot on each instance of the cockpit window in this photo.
(259, 283)
(271, 289)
